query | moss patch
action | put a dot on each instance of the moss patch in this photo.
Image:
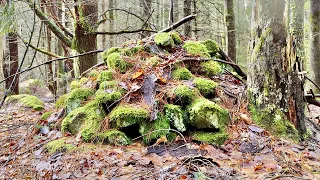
(205, 86)
(104, 97)
(153, 61)
(212, 47)
(27, 101)
(113, 137)
(164, 39)
(210, 68)
(154, 128)
(127, 115)
(106, 53)
(105, 76)
(177, 116)
(115, 61)
(46, 115)
(184, 95)
(207, 114)
(62, 101)
(181, 74)
(176, 38)
(59, 145)
(76, 96)
(108, 85)
(211, 138)
(75, 85)
(93, 73)
(196, 49)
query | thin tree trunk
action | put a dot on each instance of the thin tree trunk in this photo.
(187, 12)
(195, 20)
(11, 62)
(315, 39)
(111, 23)
(146, 10)
(231, 31)
(275, 90)
(1, 59)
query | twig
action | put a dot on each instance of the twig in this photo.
(313, 82)
(125, 31)
(234, 66)
(86, 71)
(161, 130)
(179, 23)
(209, 59)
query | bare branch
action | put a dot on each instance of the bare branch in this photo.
(126, 31)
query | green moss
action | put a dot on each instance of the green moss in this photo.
(176, 38)
(46, 115)
(211, 138)
(105, 75)
(93, 73)
(106, 53)
(59, 145)
(164, 39)
(196, 49)
(104, 97)
(62, 101)
(177, 116)
(181, 74)
(137, 49)
(27, 101)
(115, 61)
(184, 94)
(127, 115)
(83, 80)
(155, 129)
(86, 120)
(212, 47)
(274, 120)
(113, 137)
(153, 61)
(108, 85)
(75, 85)
(76, 96)
(205, 114)
(210, 68)
(205, 86)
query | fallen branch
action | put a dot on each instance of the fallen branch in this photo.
(234, 66)
(179, 23)
(53, 60)
(209, 59)
(86, 71)
(126, 31)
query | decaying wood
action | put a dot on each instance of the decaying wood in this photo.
(233, 65)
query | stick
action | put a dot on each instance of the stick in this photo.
(209, 59)
(234, 66)
(179, 23)
(86, 71)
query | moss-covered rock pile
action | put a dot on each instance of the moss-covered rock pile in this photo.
(148, 88)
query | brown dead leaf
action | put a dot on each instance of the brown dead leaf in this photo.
(183, 177)
(137, 74)
(258, 167)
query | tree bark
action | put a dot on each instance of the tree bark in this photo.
(85, 38)
(187, 12)
(111, 23)
(231, 31)
(315, 40)
(11, 63)
(274, 88)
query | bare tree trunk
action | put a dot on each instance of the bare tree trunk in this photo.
(231, 31)
(195, 20)
(176, 10)
(85, 38)
(187, 12)
(274, 87)
(1, 59)
(146, 10)
(111, 23)
(11, 63)
(315, 39)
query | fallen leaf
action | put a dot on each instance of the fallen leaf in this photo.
(137, 74)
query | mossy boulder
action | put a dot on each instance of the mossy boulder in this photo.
(113, 137)
(217, 138)
(60, 145)
(181, 74)
(155, 129)
(176, 37)
(205, 114)
(116, 62)
(205, 86)
(127, 115)
(62, 101)
(93, 73)
(74, 85)
(83, 80)
(210, 68)
(212, 47)
(164, 39)
(85, 120)
(184, 95)
(106, 53)
(105, 75)
(76, 96)
(105, 97)
(195, 48)
(108, 85)
(46, 115)
(27, 101)
(177, 116)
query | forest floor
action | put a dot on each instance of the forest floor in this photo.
(250, 153)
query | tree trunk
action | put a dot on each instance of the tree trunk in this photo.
(315, 40)
(11, 63)
(274, 88)
(1, 59)
(85, 38)
(111, 23)
(146, 10)
(231, 31)
(187, 12)
(195, 20)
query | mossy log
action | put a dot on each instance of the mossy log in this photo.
(149, 93)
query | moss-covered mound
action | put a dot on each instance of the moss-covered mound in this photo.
(27, 101)
(146, 88)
